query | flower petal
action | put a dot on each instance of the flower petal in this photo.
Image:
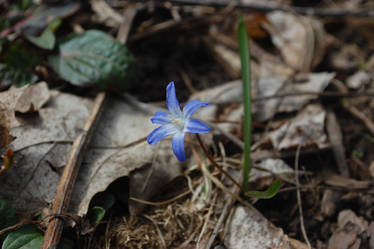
(192, 106)
(196, 126)
(161, 118)
(159, 133)
(172, 100)
(178, 146)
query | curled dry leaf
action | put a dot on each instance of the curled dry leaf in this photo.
(270, 166)
(106, 14)
(24, 99)
(33, 97)
(347, 234)
(301, 40)
(263, 110)
(358, 79)
(306, 129)
(32, 182)
(117, 149)
(316, 83)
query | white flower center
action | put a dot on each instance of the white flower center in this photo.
(179, 123)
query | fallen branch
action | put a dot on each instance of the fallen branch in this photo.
(298, 195)
(54, 230)
(269, 6)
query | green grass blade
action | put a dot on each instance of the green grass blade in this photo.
(246, 78)
(267, 194)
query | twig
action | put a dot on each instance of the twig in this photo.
(160, 203)
(220, 185)
(222, 218)
(359, 115)
(336, 140)
(65, 188)
(268, 6)
(44, 142)
(128, 16)
(298, 195)
(171, 24)
(326, 94)
(162, 239)
(211, 159)
(207, 221)
(230, 136)
(187, 81)
(22, 222)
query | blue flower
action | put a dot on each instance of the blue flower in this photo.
(177, 123)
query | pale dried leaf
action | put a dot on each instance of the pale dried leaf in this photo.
(32, 183)
(33, 98)
(316, 83)
(358, 79)
(275, 166)
(346, 236)
(306, 129)
(301, 40)
(106, 14)
(329, 201)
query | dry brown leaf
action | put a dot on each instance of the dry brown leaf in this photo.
(33, 97)
(329, 201)
(253, 24)
(346, 236)
(106, 14)
(306, 129)
(118, 147)
(301, 40)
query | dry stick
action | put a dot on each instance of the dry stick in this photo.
(211, 159)
(334, 133)
(298, 195)
(65, 188)
(222, 218)
(267, 7)
(359, 115)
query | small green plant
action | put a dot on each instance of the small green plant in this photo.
(246, 78)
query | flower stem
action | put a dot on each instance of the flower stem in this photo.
(220, 168)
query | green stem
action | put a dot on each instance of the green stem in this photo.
(246, 78)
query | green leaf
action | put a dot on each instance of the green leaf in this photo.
(55, 24)
(17, 66)
(25, 237)
(92, 58)
(100, 203)
(246, 78)
(267, 194)
(96, 214)
(25, 4)
(7, 216)
(46, 40)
